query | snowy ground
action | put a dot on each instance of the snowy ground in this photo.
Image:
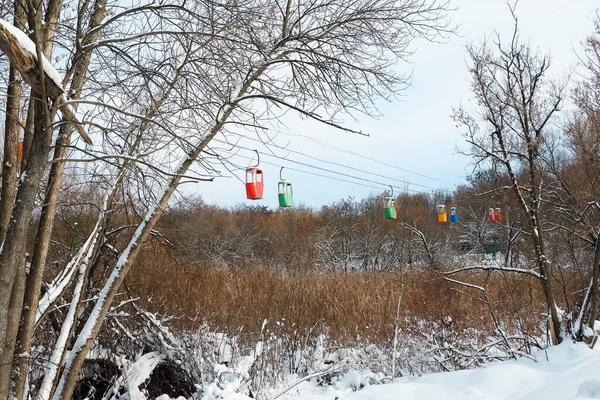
(566, 372)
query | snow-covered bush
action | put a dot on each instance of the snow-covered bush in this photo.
(139, 357)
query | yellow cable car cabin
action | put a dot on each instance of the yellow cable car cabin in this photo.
(441, 212)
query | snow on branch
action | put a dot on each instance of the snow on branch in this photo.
(21, 51)
(494, 268)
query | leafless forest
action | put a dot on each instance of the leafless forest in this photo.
(108, 109)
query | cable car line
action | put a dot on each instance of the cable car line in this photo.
(340, 173)
(361, 155)
(255, 186)
(384, 186)
(223, 160)
(371, 182)
(345, 151)
(337, 172)
(326, 161)
(329, 177)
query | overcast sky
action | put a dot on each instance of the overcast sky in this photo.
(415, 134)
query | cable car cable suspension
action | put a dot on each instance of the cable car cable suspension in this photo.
(442, 216)
(361, 155)
(330, 162)
(326, 176)
(337, 163)
(337, 172)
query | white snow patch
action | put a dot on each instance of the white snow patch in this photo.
(588, 332)
(138, 372)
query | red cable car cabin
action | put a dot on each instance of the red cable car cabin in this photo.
(19, 153)
(254, 183)
(20, 146)
(498, 214)
(491, 214)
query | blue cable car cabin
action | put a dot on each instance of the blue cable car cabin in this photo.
(453, 215)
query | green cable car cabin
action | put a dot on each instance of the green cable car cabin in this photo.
(285, 193)
(389, 207)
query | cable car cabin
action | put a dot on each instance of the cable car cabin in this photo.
(20, 145)
(389, 208)
(498, 214)
(19, 152)
(453, 215)
(254, 183)
(491, 214)
(441, 212)
(285, 194)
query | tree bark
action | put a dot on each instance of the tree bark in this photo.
(10, 168)
(594, 288)
(12, 257)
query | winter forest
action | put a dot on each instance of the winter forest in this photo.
(116, 283)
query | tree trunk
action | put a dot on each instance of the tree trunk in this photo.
(14, 312)
(13, 254)
(546, 272)
(11, 135)
(42, 242)
(594, 288)
(551, 303)
(8, 296)
(9, 166)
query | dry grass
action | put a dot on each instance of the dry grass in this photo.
(346, 306)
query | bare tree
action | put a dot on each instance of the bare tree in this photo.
(516, 105)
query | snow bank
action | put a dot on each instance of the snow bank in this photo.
(566, 372)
